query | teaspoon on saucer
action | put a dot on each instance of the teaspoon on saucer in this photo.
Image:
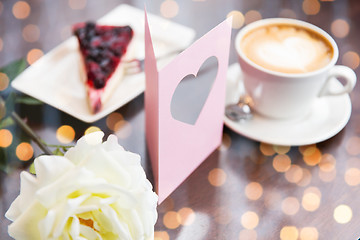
(240, 111)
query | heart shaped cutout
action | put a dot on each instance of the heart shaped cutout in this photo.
(192, 92)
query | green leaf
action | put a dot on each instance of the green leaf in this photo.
(10, 102)
(13, 69)
(32, 169)
(6, 122)
(58, 152)
(28, 100)
(2, 108)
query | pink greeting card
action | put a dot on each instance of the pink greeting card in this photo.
(177, 148)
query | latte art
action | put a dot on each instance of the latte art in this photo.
(287, 49)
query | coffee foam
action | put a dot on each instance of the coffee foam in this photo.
(287, 49)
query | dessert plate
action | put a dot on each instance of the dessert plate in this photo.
(328, 116)
(56, 77)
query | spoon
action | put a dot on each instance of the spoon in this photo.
(240, 111)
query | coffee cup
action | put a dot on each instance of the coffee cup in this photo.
(287, 65)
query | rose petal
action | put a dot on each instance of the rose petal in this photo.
(112, 144)
(109, 168)
(65, 212)
(25, 227)
(64, 186)
(28, 187)
(47, 224)
(117, 226)
(84, 147)
(89, 233)
(96, 191)
(49, 168)
(74, 228)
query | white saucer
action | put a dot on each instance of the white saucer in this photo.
(328, 117)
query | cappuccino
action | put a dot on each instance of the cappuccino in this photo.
(287, 48)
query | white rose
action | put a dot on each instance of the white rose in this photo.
(96, 191)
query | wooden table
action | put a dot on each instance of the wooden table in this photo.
(243, 190)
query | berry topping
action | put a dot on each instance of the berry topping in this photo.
(102, 47)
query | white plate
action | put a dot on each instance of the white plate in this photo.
(328, 116)
(55, 78)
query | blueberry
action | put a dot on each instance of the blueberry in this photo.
(104, 62)
(98, 83)
(94, 54)
(90, 25)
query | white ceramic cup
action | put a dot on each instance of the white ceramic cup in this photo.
(289, 95)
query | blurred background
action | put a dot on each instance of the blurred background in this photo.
(261, 209)
(33, 27)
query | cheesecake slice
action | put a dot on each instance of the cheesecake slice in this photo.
(102, 48)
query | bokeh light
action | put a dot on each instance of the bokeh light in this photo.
(289, 233)
(169, 8)
(281, 163)
(340, 28)
(342, 214)
(311, 199)
(113, 119)
(6, 138)
(327, 176)
(33, 55)
(290, 205)
(314, 190)
(77, 4)
(171, 220)
(306, 178)
(225, 143)
(294, 174)
(311, 7)
(123, 129)
(303, 148)
(249, 220)
(253, 191)
(91, 130)
(351, 59)
(24, 151)
(4, 81)
(353, 145)
(309, 233)
(21, 10)
(247, 234)
(287, 13)
(252, 16)
(187, 216)
(217, 177)
(312, 156)
(352, 176)
(65, 134)
(238, 19)
(281, 149)
(267, 149)
(161, 235)
(327, 162)
(31, 33)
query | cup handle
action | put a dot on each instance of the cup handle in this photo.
(345, 73)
